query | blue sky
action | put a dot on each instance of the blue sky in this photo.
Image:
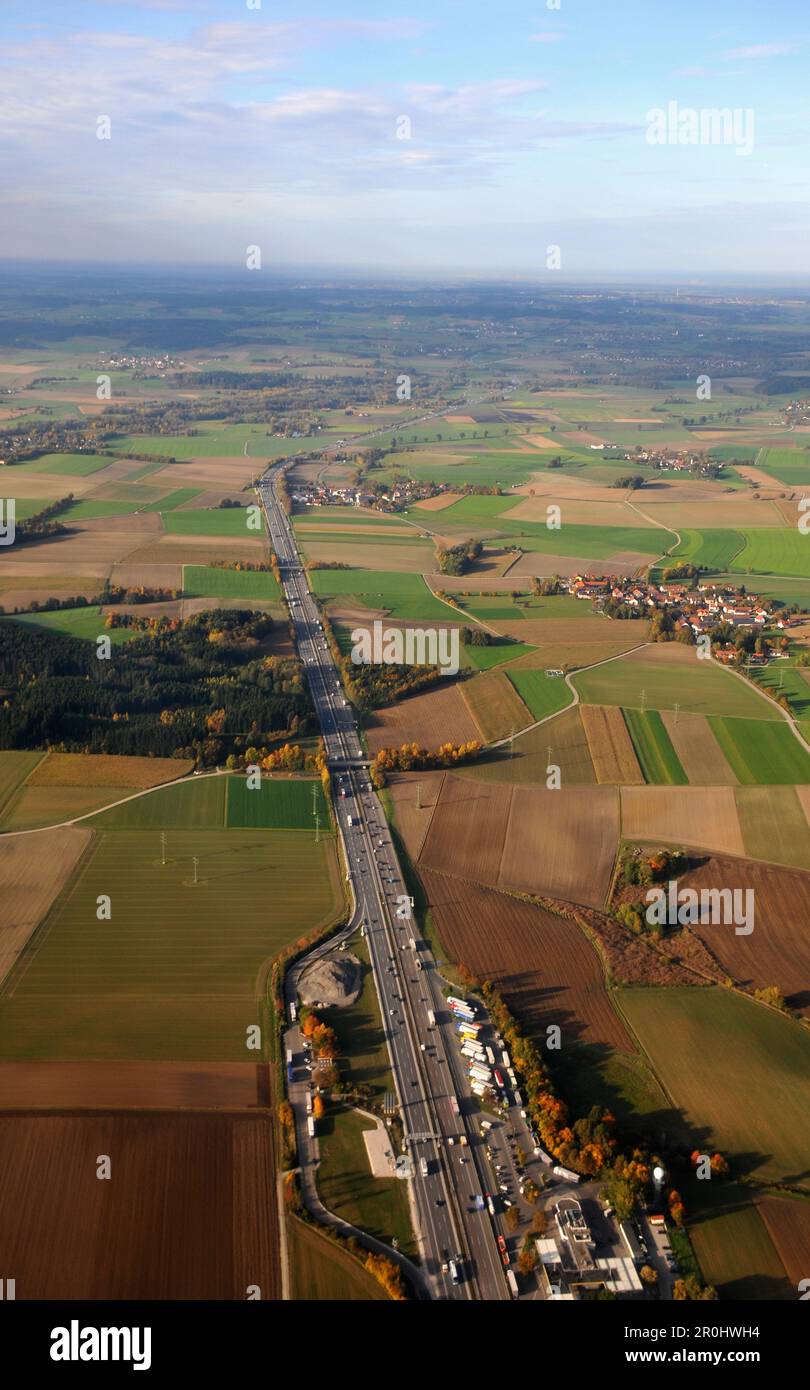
(277, 126)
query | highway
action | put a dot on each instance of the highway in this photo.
(435, 1104)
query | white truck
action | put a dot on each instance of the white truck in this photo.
(423, 1167)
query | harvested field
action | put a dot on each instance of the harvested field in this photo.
(774, 825)
(528, 760)
(438, 503)
(191, 1211)
(544, 964)
(434, 717)
(468, 829)
(610, 745)
(105, 770)
(788, 1223)
(705, 817)
(574, 654)
(537, 565)
(549, 843)
(323, 1272)
(697, 748)
(562, 844)
(158, 576)
(85, 549)
(777, 952)
(133, 1085)
(412, 821)
(409, 559)
(35, 807)
(33, 871)
(550, 633)
(495, 705)
(581, 511)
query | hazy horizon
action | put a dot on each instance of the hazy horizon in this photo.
(439, 141)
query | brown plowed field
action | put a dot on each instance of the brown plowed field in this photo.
(558, 844)
(778, 950)
(705, 817)
(133, 1085)
(412, 822)
(614, 757)
(434, 717)
(468, 829)
(189, 1213)
(544, 964)
(562, 844)
(702, 758)
(33, 871)
(788, 1224)
(495, 705)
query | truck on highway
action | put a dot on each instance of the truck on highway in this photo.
(454, 1105)
(412, 944)
(311, 1127)
(350, 820)
(431, 1019)
(423, 1167)
(512, 1282)
(289, 1056)
(455, 1272)
(309, 1103)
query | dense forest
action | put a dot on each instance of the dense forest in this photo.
(202, 689)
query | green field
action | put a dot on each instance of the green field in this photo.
(699, 687)
(208, 581)
(779, 587)
(486, 658)
(14, 768)
(542, 694)
(364, 1059)
(774, 550)
(276, 804)
(198, 802)
(738, 1072)
(178, 972)
(217, 521)
(774, 825)
(178, 498)
(25, 507)
(711, 549)
(91, 511)
(732, 1243)
(759, 752)
(483, 505)
(347, 1188)
(780, 678)
(404, 595)
(87, 623)
(657, 758)
(72, 465)
(323, 1272)
(791, 466)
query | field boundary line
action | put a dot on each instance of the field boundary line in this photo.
(498, 743)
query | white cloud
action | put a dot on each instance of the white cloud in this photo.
(758, 50)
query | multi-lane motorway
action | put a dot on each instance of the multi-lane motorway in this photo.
(435, 1102)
